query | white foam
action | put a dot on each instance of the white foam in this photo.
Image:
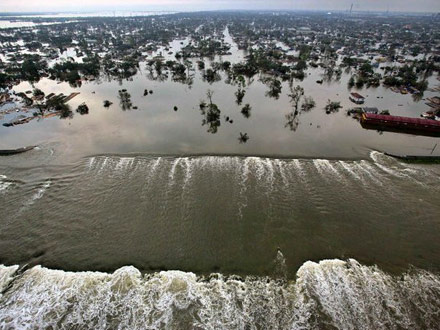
(327, 170)
(281, 164)
(103, 165)
(375, 155)
(368, 170)
(188, 171)
(6, 276)
(124, 163)
(155, 165)
(173, 170)
(40, 192)
(244, 173)
(349, 168)
(328, 294)
(270, 173)
(258, 165)
(91, 163)
(4, 185)
(298, 168)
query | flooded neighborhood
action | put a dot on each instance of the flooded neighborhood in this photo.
(224, 169)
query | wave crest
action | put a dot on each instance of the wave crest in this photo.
(329, 294)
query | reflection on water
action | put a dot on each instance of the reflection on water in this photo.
(155, 128)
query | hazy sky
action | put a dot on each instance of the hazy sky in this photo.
(185, 5)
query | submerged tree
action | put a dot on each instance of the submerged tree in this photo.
(308, 104)
(243, 137)
(65, 112)
(332, 107)
(83, 109)
(292, 121)
(351, 82)
(125, 99)
(275, 87)
(296, 94)
(240, 93)
(246, 110)
(211, 113)
(211, 76)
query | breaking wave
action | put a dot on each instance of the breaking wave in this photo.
(331, 294)
(4, 184)
(380, 167)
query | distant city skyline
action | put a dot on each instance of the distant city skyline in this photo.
(196, 5)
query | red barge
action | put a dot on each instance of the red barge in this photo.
(428, 127)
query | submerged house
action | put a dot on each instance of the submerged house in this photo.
(357, 98)
(371, 110)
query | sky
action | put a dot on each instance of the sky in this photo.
(196, 5)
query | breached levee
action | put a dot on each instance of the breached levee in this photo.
(326, 295)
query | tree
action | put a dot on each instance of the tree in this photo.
(201, 65)
(38, 93)
(4, 80)
(275, 88)
(332, 107)
(308, 104)
(30, 70)
(125, 100)
(239, 94)
(366, 69)
(351, 82)
(243, 137)
(295, 96)
(83, 109)
(211, 114)
(246, 111)
(360, 82)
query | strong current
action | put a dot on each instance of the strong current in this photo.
(208, 242)
(326, 295)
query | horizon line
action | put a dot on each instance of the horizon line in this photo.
(91, 11)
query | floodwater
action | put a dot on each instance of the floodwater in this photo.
(143, 219)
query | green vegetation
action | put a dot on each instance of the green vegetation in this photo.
(332, 107)
(211, 114)
(83, 109)
(243, 138)
(246, 110)
(125, 100)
